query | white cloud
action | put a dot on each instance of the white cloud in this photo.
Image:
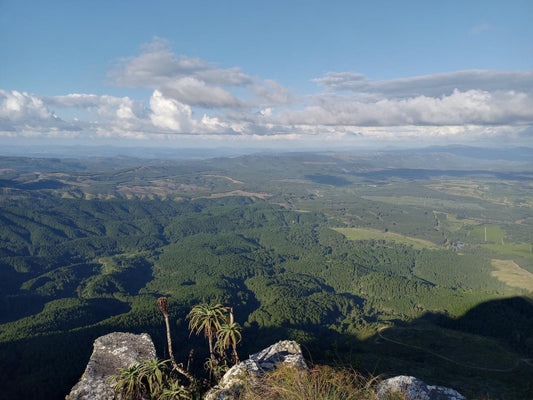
(193, 98)
(459, 108)
(17, 106)
(24, 112)
(192, 91)
(157, 66)
(170, 114)
(104, 106)
(434, 85)
(176, 117)
(225, 77)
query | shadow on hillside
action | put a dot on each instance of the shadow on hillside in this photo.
(486, 353)
(493, 336)
(413, 174)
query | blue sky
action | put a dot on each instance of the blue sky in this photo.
(277, 74)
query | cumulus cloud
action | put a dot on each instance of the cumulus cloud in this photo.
(459, 108)
(157, 66)
(191, 97)
(172, 115)
(104, 106)
(21, 111)
(17, 106)
(194, 81)
(192, 91)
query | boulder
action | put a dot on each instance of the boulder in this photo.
(285, 352)
(112, 351)
(415, 389)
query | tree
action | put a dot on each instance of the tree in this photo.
(207, 318)
(162, 304)
(229, 334)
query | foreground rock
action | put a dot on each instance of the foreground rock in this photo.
(415, 389)
(112, 351)
(285, 352)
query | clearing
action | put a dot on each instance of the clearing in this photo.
(510, 272)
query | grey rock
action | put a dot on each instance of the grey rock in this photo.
(112, 351)
(285, 352)
(415, 389)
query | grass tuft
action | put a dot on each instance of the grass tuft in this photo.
(321, 383)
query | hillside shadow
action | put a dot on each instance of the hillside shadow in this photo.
(476, 342)
(486, 353)
(413, 174)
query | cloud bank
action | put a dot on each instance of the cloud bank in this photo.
(191, 97)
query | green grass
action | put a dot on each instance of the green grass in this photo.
(487, 233)
(521, 250)
(373, 234)
(320, 383)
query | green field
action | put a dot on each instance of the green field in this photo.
(521, 250)
(487, 233)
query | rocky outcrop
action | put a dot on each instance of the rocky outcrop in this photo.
(415, 389)
(282, 353)
(121, 350)
(112, 351)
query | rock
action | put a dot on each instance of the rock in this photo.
(112, 351)
(285, 352)
(415, 389)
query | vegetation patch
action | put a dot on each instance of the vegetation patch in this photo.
(323, 382)
(237, 193)
(374, 234)
(510, 272)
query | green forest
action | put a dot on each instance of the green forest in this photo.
(375, 262)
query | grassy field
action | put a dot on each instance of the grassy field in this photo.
(521, 250)
(373, 234)
(509, 272)
(487, 233)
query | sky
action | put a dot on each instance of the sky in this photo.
(273, 75)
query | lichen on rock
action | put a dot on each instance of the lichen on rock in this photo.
(414, 389)
(111, 352)
(285, 352)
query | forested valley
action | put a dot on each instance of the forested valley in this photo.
(374, 261)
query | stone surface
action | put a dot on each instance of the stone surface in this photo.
(112, 351)
(282, 353)
(415, 389)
